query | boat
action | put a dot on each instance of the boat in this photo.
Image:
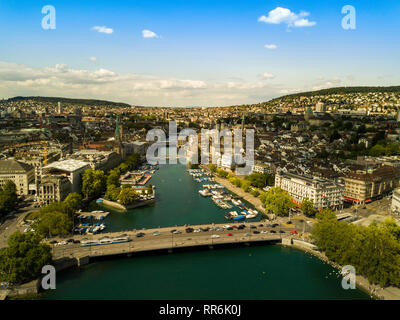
(205, 193)
(239, 218)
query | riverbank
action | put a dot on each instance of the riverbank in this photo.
(256, 202)
(389, 293)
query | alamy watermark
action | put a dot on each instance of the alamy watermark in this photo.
(49, 20)
(49, 280)
(186, 147)
(350, 19)
(349, 277)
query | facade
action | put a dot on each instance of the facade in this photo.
(20, 173)
(261, 168)
(396, 202)
(365, 186)
(324, 193)
(53, 189)
(72, 169)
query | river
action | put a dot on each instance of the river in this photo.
(255, 272)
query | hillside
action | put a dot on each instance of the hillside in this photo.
(69, 101)
(340, 90)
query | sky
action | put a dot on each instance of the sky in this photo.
(194, 53)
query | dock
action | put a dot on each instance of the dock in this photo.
(95, 214)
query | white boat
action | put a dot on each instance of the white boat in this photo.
(251, 216)
(236, 202)
(205, 193)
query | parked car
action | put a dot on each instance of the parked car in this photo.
(140, 235)
(215, 236)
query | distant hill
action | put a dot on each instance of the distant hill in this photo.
(71, 101)
(340, 90)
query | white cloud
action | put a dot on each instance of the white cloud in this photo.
(138, 89)
(304, 23)
(271, 46)
(329, 83)
(267, 76)
(149, 34)
(103, 29)
(283, 15)
(93, 59)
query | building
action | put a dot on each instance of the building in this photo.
(368, 185)
(20, 173)
(72, 169)
(261, 168)
(98, 160)
(396, 202)
(320, 107)
(324, 193)
(53, 189)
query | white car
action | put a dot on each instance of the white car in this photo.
(215, 236)
(227, 226)
(197, 230)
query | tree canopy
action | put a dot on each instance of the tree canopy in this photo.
(374, 251)
(24, 258)
(93, 183)
(8, 198)
(277, 201)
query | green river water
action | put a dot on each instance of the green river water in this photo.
(255, 272)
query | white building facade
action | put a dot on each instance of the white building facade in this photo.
(324, 193)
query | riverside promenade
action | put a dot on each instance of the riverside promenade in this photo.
(255, 201)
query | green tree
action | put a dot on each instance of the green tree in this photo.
(71, 204)
(113, 178)
(222, 173)
(112, 192)
(307, 206)
(373, 250)
(212, 167)
(261, 180)
(8, 198)
(245, 185)
(93, 183)
(277, 201)
(127, 196)
(55, 223)
(24, 258)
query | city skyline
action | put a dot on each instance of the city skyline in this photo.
(194, 54)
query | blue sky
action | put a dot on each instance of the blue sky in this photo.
(202, 53)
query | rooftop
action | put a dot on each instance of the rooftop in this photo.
(67, 165)
(14, 166)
